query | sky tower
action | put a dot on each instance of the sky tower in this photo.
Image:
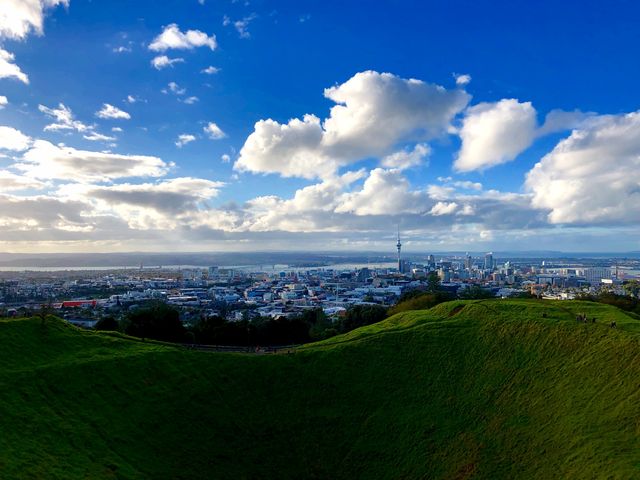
(399, 247)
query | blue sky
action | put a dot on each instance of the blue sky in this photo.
(474, 125)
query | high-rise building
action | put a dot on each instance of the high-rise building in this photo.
(595, 275)
(488, 261)
(467, 262)
(399, 247)
(431, 261)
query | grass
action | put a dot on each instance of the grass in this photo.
(484, 389)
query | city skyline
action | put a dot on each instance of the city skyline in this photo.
(198, 125)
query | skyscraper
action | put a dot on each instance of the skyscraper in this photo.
(399, 247)
(468, 262)
(488, 261)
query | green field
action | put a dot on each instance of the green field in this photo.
(485, 389)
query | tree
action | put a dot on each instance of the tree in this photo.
(433, 282)
(107, 323)
(632, 288)
(361, 315)
(158, 321)
(475, 292)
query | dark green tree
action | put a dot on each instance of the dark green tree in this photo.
(158, 321)
(361, 315)
(433, 282)
(107, 323)
(475, 292)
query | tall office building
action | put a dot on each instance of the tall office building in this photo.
(488, 261)
(467, 262)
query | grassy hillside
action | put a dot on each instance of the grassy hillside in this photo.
(485, 389)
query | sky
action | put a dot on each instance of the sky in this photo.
(257, 125)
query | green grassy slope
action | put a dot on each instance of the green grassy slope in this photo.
(484, 389)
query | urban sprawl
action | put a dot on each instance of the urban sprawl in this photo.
(83, 297)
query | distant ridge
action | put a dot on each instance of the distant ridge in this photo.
(133, 259)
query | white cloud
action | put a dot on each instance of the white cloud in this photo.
(242, 25)
(162, 61)
(468, 185)
(495, 133)
(210, 70)
(108, 111)
(172, 38)
(116, 129)
(64, 119)
(10, 181)
(443, 208)
(175, 89)
(462, 79)
(374, 112)
(592, 176)
(131, 99)
(183, 139)
(404, 159)
(98, 137)
(191, 100)
(560, 120)
(164, 204)
(121, 49)
(12, 139)
(8, 69)
(385, 192)
(225, 158)
(18, 18)
(214, 131)
(3, 101)
(47, 161)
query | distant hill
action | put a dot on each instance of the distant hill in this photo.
(491, 389)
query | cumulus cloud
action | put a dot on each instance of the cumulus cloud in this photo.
(108, 111)
(162, 61)
(47, 161)
(191, 100)
(18, 18)
(64, 119)
(213, 131)
(462, 78)
(163, 204)
(443, 208)
(495, 133)
(25, 215)
(210, 70)
(10, 181)
(8, 69)
(385, 192)
(12, 139)
(172, 38)
(374, 112)
(592, 176)
(183, 139)
(3, 101)
(404, 159)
